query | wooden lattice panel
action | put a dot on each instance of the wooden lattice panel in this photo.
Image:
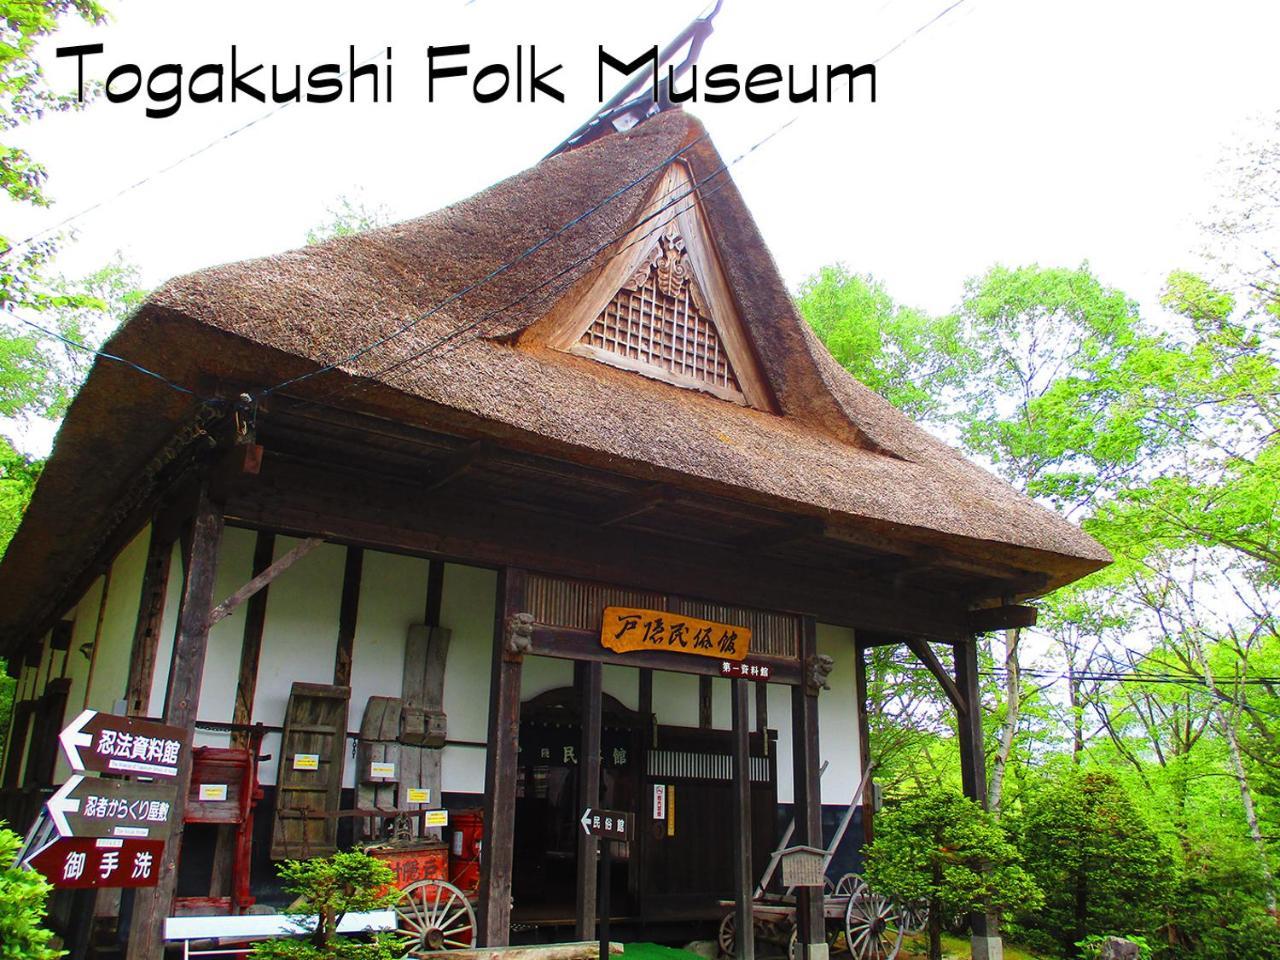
(659, 323)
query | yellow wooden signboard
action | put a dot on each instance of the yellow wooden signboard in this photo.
(629, 629)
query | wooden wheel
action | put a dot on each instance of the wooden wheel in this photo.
(850, 885)
(726, 939)
(434, 915)
(871, 926)
(913, 915)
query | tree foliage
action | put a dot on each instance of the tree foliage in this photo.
(23, 935)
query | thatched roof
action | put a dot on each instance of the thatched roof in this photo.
(834, 448)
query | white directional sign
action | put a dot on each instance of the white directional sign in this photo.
(109, 744)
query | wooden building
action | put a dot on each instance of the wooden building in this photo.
(465, 436)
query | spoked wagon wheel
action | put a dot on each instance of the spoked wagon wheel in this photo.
(434, 915)
(913, 915)
(871, 927)
(850, 885)
(726, 939)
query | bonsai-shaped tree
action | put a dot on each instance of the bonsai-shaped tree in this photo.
(327, 889)
(22, 906)
(945, 849)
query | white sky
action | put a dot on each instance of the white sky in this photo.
(1015, 131)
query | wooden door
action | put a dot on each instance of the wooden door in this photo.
(688, 853)
(309, 782)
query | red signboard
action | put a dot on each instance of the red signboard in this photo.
(106, 743)
(80, 862)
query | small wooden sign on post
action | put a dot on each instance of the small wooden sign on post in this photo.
(631, 629)
(803, 866)
(88, 807)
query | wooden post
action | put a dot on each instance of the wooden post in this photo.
(984, 934)
(744, 883)
(864, 740)
(347, 614)
(255, 617)
(501, 761)
(704, 703)
(587, 682)
(146, 632)
(808, 795)
(182, 701)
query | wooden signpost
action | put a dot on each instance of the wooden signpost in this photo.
(104, 743)
(630, 629)
(85, 862)
(110, 832)
(89, 807)
(607, 825)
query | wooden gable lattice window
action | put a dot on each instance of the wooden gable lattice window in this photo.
(660, 319)
(660, 304)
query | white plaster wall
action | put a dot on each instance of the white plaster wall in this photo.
(168, 625)
(621, 683)
(540, 674)
(393, 595)
(74, 664)
(675, 698)
(299, 639)
(838, 717)
(467, 608)
(115, 646)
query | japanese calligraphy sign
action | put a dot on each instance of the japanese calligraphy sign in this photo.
(79, 862)
(112, 808)
(127, 745)
(745, 669)
(629, 629)
(608, 824)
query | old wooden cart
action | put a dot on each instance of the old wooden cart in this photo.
(867, 924)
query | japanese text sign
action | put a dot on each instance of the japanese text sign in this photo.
(109, 744)
(79, 862)
(609, 824)
(629, 629)
(112, 808)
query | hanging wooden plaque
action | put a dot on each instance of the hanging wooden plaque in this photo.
(630, 629)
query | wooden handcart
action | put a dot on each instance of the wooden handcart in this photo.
(867, 924)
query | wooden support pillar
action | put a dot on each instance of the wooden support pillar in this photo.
(743, 878)
(864, 740)
(808, 796)
(152, 906)
(255, 618)
(984, 933)
(501, 761)
(146, 632)
(704, 703)
(762, 712)
(347, 614)
(587, 683)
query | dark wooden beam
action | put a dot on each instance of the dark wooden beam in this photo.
(570, 644)
(151, 906)
(348, 612)
(225, 608)
(501, 762)
(146, 631)
(864, 737)
(924, 653)
(799, 529)
(806, 760)
(644, 500)
(743, 882)
(255, 618)
(374, 512)
(587, 683)
(1008, 617)
(973, 769)
(704, 702)
(456, 464)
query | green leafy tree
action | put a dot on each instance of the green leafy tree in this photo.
(1102, 868)
(328, 888)
(945, 849)
(347, 216)
(22, 906)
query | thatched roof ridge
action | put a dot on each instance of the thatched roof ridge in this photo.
(835, 449)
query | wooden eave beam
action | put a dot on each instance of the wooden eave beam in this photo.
(1007, 617)
(458, 463)
(645, 500)
(761, 541)
(924, 653)
(225, 608)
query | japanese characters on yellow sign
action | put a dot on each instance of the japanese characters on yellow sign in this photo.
(628, 629)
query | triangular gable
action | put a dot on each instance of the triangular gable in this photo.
(660, 305)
